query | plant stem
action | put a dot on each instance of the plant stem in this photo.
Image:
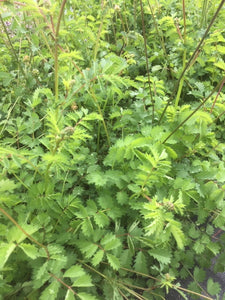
(181, 83)
(63, 283)
(203, 102)
(56, 50)
(100, 112)
(146, 58)
(27, 234)
(204, 13)
(12, 48)
(99, 30)
(192, 57)
(214, 102)
(160, 34)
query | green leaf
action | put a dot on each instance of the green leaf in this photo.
(97, 178)
(74, 271)
(83, 281)
(184, 184)
(213, 247)
(113, 261)
(69, 295)
(199, 274)
(29, 250)
(7, 185)
(88, 248)
(5, 251)
(198, 247)
(101, 219)
(220, 64)
(51, 291)
(193, 232)
(15, 234)
(97, 258)
(177, 234)
(141, 263)
(92, 117)
(87, 227)
(57, 158)
(213, 288)
(162, 255)
(130, 244)
(110, 242)
(122, 197)
(86, 296)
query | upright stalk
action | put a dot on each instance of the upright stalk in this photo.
(184, 57)
(100, 112)
(11, 46)
(219, 85)
(160, 35)
(99, 30)
(24, 232)
(204, 13)
(146, 58)
(192, 58)
(56, 51)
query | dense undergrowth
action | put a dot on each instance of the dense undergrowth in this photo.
(112, 148)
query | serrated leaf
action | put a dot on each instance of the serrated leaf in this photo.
(69, 295)
(5, 252)
(101, 219)
(92, 116)
(110, 242)
(97, 178)
(88, 248)
(162, 255)
(15, 234)
(213, 288)
(220, 64)
(130, 244)
(74, 271)
(140, 263)
(57, 158)
(7, 185)
(178, 235)
(122, 197)
(113, 261)
(83, 281)
(87, 227)
(199, 274)
(97, 258)
(193, 232)
(198, 247)
(29, 250)
(51, 291)
(86, 296)
(42, 270)
(213, 247)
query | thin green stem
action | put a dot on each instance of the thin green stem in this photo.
(160, 35)
(12, 48)
(191, 58)
(181, 83)
(63, 283)
(56, 51)
(27, 234)
(204, 13)
(203, 102)
(146, 58)
(100, 112)
(99, 31)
